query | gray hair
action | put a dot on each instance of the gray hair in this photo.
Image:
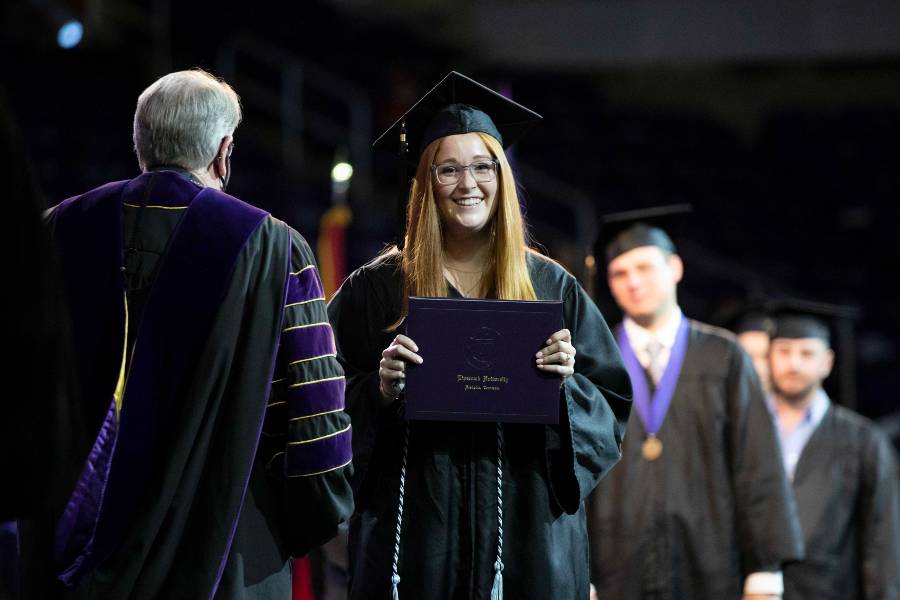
(181, 119)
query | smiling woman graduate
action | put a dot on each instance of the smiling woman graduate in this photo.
(462, 510)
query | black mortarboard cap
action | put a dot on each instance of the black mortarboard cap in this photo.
(624, 231)
(755, 321)
(750, 315)
(795, 318)
(457, 105)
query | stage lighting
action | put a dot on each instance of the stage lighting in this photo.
(69, 34)
(341, 172)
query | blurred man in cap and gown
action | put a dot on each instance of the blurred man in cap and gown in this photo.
(842, 467)
(754, 334)
(699, 508)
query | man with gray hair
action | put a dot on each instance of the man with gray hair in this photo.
(218, 446)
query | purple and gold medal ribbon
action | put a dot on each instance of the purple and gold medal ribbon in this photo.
(653, 409)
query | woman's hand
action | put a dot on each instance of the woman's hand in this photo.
(559, 354)
(392, 368)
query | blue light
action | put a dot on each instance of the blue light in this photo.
(69, 34)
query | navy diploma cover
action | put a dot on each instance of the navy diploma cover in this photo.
(479, 360)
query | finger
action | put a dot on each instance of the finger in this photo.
(567, 348)
(398, 351)
(406, 341)
(393, 364)
(562, 370)
(557, 358)
(562, 334)
(560, 346)
(391, 374)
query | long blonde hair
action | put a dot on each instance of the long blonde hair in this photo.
(422, 260)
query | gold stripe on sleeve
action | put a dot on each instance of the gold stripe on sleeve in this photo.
(323, 472)
(302, 383)
(303, 360)
(327, 412)
(321, 437)
(304, 302)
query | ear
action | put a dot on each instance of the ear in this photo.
(827, 364)
(677, 267)
(219, 166)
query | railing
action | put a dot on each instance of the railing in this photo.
(284, 97)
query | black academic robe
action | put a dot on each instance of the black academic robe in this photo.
(847, 499)
(714, 507)
(218, 511)
(449, 533)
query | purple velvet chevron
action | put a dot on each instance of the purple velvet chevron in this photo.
(315, 398)
(304, 286)
(309, 399)
(320, 455)
(307, 342)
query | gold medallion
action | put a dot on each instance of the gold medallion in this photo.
(652, 448)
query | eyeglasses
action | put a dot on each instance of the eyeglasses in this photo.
(450, 173)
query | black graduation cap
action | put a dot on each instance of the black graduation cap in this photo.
(755, 320)
(456, 105)
(795, 318)
(624, 231)
(752, 314)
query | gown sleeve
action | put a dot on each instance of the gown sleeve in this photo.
(879, 533)
(307, 433)
(594, 406)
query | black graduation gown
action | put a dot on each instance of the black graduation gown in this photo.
(847, 499)
(714, 507)
(449, 534)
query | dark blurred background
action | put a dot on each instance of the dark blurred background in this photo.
(778, 121)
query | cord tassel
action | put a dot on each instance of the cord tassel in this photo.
(497, 588)
(395, 581)
(395, 574)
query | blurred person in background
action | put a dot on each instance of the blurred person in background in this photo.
(843, 470)
(699, 508)
(754, 331)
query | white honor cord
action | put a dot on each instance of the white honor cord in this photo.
(497, 588)
(395, 575)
